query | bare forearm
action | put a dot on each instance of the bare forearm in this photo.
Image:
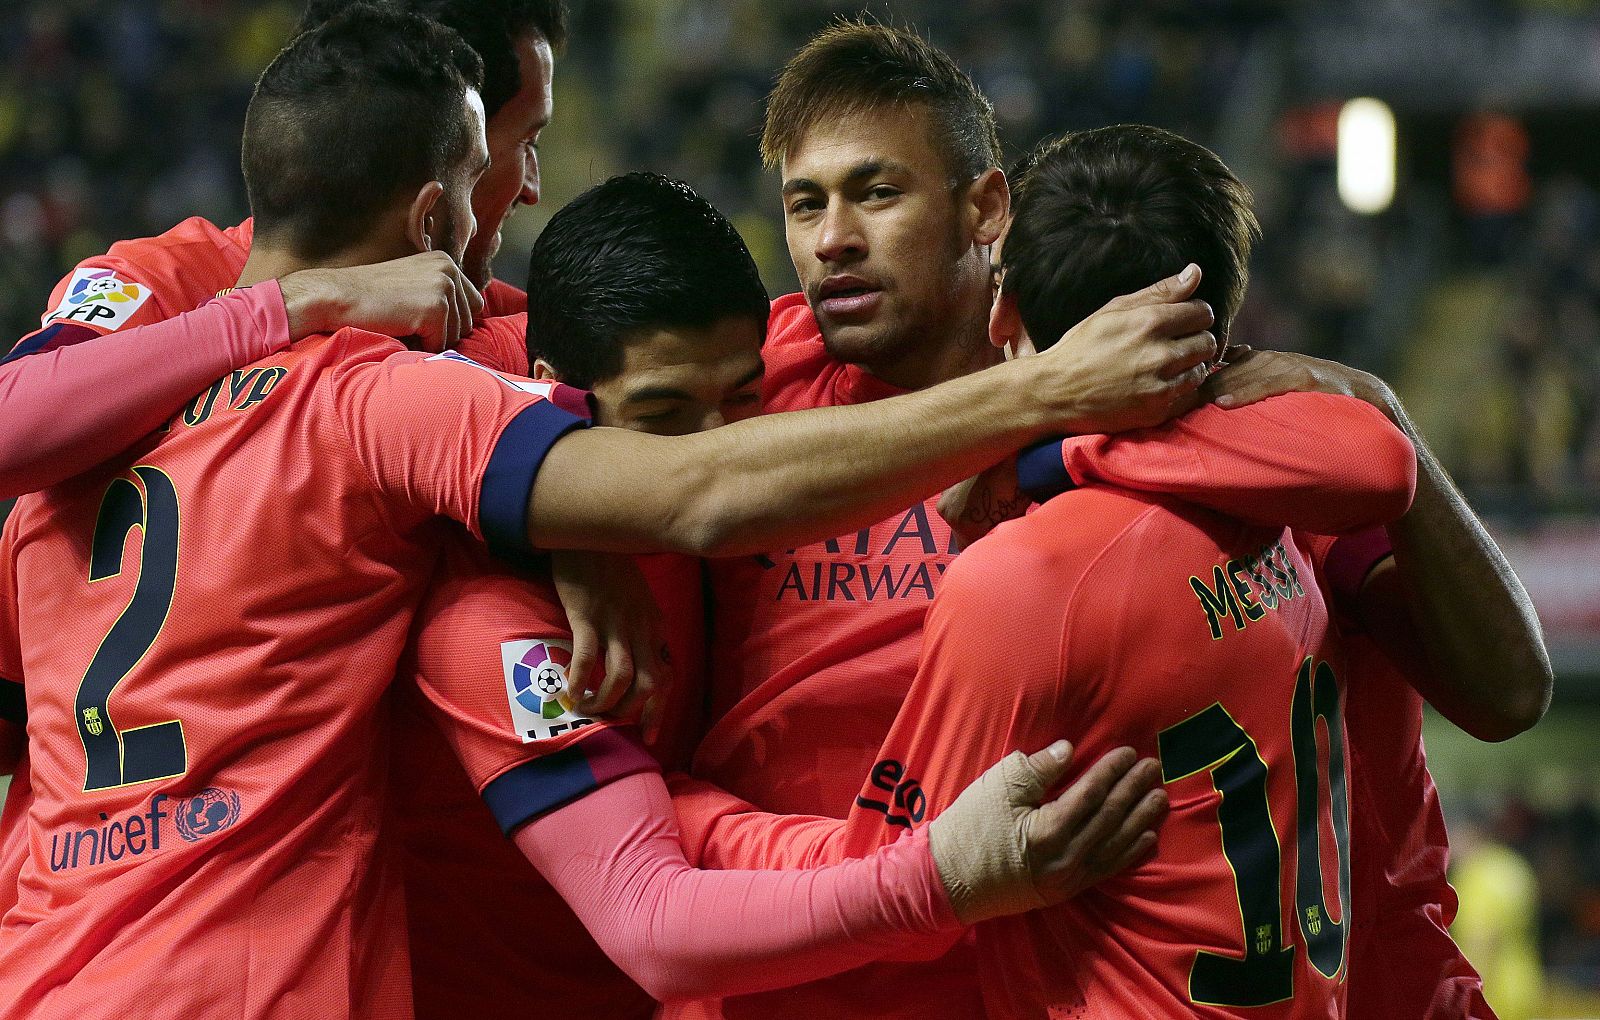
(781, 479)
(1489, 669)
(795, 478)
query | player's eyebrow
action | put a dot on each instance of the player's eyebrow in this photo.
(871, 167)
(751, 376)
(874, 167)
(657, 393)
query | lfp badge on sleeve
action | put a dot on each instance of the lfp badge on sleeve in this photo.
(536, 688)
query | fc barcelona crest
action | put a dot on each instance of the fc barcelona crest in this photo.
(92, 721)
(1264, 939)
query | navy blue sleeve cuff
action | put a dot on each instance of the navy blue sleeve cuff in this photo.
(1042, 471)
(13, 703)
(541, 785)
(507, 481)
(59, 334)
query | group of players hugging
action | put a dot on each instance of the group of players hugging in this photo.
(634, 644)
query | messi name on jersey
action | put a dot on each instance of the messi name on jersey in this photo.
(1243, 590)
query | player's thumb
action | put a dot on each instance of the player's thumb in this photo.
(580, 670)
(1173, 289)
(1047, 769)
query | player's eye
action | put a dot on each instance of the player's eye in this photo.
(657, 417)
(882, 192)
(805, 204)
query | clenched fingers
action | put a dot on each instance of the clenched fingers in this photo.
(618, 679)
(585, 653)
(1251, 377)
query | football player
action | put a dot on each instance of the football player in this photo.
(255, 634)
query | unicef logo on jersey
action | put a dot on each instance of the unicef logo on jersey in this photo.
(211, 810)
(536, 687)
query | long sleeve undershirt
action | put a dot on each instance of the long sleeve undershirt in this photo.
(614, 856)
(66, 410)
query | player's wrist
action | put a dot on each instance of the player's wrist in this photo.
(1054, 403)
(313, 301)
(1006, 395)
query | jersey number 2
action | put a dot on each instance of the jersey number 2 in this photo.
(1212, 741)
(124, 757)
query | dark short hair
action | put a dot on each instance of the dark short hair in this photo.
(640, 251)
(320, 157)
(855, 65)
(491, 27)
(1096, 214)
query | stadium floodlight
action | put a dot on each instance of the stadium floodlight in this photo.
(1366, 155)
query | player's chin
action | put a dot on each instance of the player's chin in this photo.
(478, 262)
(855, 341)
(478, 267)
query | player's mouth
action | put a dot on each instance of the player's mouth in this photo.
(848, 297)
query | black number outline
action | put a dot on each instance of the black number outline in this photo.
(1212, 741)
(1316, 695)
(116, 758)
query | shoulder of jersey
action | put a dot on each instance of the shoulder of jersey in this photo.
(500, 342)
(180, 269)
(195, 242)
(791, 321)
(1085, 518)
(355, 343)
(501, 298)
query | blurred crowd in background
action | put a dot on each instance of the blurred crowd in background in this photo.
(1477, 293)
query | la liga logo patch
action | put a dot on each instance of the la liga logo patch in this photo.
(99, 298)
(536, 688)
(540, 678)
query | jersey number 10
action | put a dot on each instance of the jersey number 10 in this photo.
(1212, 741)
(145, 753)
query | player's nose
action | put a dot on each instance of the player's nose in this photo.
(530, 184)
(840, 237)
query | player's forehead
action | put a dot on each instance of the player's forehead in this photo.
(533, 104)
(477, 139)
(696, 359)
(836, 148)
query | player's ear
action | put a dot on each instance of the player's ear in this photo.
(421, 228)
(988, 205)
(542, 370)
(1005, 323)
